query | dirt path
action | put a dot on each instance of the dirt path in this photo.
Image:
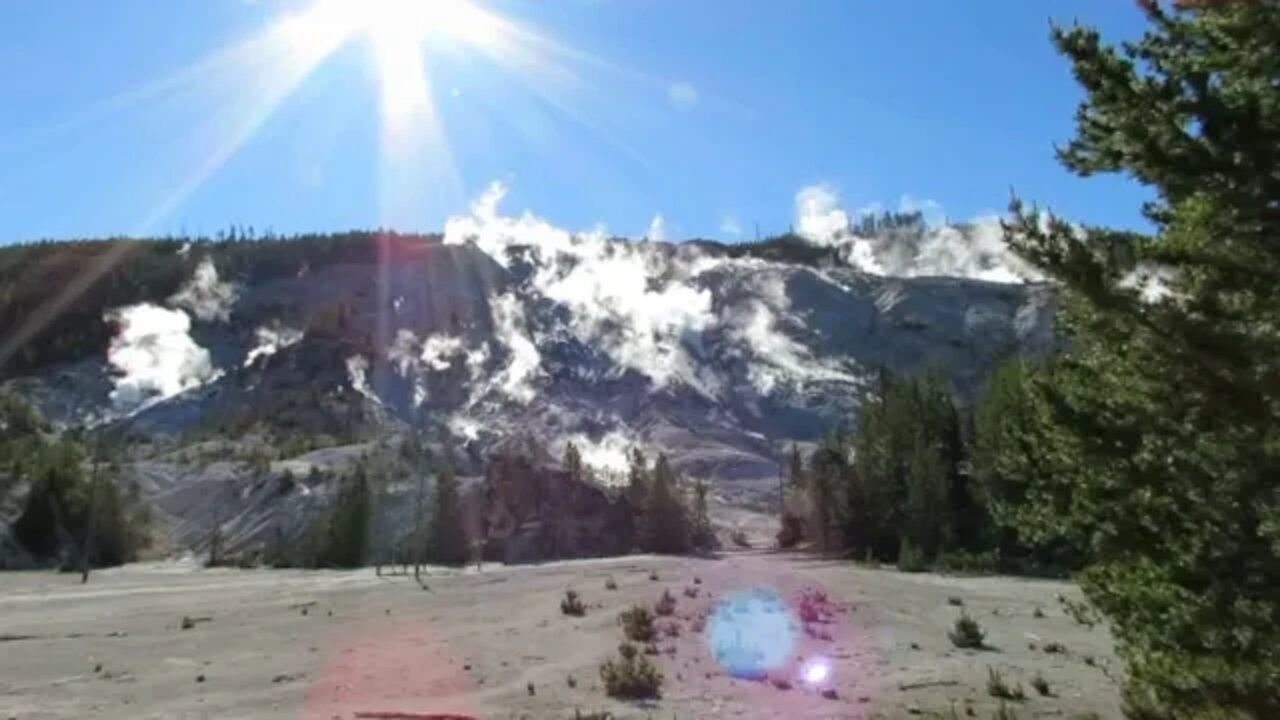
(285, 644)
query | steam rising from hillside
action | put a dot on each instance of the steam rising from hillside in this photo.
(207, 297)
(154, 356)
(272, 340)
(974, 250)
(637, 304)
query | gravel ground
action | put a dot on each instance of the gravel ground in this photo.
(493, 643)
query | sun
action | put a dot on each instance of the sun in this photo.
(400, 33)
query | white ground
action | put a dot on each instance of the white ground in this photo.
(473, 642)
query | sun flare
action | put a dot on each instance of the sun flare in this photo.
(400, 33)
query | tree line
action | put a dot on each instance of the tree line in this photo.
(923, 481)
(77, 513)
(1147, 452)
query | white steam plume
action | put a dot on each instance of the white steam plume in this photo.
(154, 356)
(657, 231)
(608, 455)
(525, 363)
(207, 297)
(778, 358)
(272, 340)
(974, 250)
(632, 301)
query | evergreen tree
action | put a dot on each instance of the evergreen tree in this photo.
(827, 472)
(666, 519)
(573, 461)
(1169, 396)
(700, 518)
(448, 534)
(795, 469)
(638, 480)
(347, 535)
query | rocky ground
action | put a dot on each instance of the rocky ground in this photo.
(494, 644)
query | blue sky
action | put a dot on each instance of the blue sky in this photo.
(116, 120)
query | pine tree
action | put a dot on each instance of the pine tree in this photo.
(827, 471)
(795, 469)
(573, 462)
(666, 519)
(638, 480)
(448, 535)
(700, 517)
(347, 535)
(1169, 395)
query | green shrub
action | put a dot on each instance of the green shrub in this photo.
(666, 605)
(637, 624)
(967, 633)
(631, 676)
(572, 604)
(998, 688)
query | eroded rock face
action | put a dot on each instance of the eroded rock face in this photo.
(532, 512)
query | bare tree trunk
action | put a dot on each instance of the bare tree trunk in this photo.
(86, 545)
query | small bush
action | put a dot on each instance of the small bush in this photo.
(1004, 712)
(572, 604)
(666, 605)
(740, 539)
(671, 630)
(691, 592)
(955, 601)
(637, 624)
(631, 676)
(967, 633)
(1038, 614)
(610, 583)
(601, 715)
(998, 688)
(653, 575)
(791, 532)
(1078, 611)
(697, 580)
(1041, 685)
(1055, 648)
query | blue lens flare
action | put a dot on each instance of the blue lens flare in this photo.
(752, 632)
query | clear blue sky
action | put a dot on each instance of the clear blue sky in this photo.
(596, 111)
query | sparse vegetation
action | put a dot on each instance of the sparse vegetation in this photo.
(1078, 611)
(637, 624)
(610, 583)
(967, 633)
(631, 676)
(998, 688)
(1041, 685)
(666, 605)
(1004, 712)
(572, 604)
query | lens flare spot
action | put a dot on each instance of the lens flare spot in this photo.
(751, 633)
(816, 672)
